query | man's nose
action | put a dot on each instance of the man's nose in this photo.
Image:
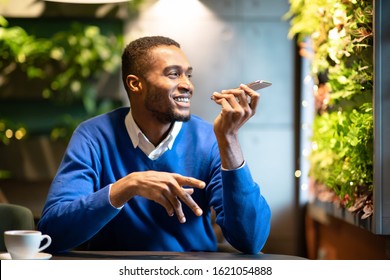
(186, 83)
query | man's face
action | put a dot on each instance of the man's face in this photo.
(168, 85)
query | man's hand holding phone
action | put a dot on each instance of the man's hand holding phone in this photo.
(237, 107)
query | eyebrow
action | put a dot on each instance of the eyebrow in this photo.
(176, 67)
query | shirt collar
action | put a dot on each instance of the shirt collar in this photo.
(136, 135)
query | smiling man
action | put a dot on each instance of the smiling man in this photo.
(146, 177)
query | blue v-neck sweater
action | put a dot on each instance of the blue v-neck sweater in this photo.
(100, 152)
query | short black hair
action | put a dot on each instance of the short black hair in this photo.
(136, 56)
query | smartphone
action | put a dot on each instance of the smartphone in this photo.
(256, 85)
(259, 84)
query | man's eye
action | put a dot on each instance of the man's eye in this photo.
(174, 74)
(189, 76)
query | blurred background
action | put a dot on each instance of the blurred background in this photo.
(60, 65)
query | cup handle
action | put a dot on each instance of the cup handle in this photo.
(47, 244)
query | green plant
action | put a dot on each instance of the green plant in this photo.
(337, 37)
(64, 68)
(342, 152)
(82, 55)
(21, 50)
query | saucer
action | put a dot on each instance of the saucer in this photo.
(38, 256)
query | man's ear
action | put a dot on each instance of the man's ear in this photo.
(133, 83)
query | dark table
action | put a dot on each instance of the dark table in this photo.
(148, 255)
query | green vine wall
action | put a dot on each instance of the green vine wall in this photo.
(337, 37)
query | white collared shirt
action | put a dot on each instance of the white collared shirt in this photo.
(139, 139)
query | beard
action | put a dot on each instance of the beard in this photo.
(168, 116)
(162, 112)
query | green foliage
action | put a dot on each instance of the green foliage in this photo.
(340, 46)
(342, 156)
(340, 31)
(19, 49)
(67, 67)
(81, 53)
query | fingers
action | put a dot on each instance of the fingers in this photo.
(173, 205)
(234, 97)
(173, 197)
(253, 95)
(176, 204)
(169, 190)
(244, 97)
(184, 194)
(234, 107)
(189, 181)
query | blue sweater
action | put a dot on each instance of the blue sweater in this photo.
(100, 152)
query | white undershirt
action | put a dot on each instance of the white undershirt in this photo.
(139, 139)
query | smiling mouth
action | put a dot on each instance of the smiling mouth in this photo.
(182, 99)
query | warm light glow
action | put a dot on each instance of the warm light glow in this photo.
(87, 1)
(9, 133)
(20, 133)
(177, 9)
(298, 173)
(175, 19)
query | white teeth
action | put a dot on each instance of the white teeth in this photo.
(183, 99)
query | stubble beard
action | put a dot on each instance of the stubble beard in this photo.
(168, 116)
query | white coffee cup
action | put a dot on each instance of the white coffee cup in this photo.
(24, 244)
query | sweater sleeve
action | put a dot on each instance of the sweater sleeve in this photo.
(77, 206)
(245, 216)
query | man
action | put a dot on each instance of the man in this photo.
(126, 173)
